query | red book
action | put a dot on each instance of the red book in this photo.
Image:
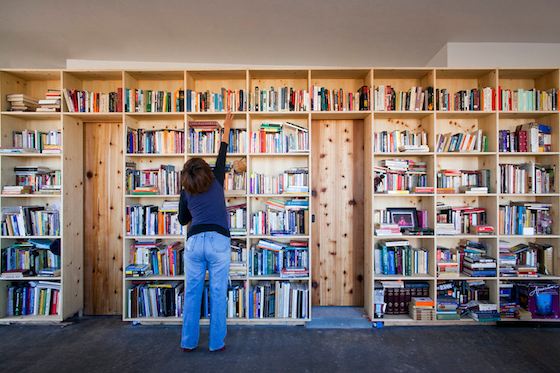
(54, 302)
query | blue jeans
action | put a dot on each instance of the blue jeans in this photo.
(207, 250)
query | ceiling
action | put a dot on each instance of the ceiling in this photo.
(256, 32)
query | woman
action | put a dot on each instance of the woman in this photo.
(202, 203)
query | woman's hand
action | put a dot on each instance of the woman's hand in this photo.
(227, 126)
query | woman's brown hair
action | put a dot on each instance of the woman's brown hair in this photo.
(196, 176)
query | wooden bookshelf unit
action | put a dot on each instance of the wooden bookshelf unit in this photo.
(430, 120)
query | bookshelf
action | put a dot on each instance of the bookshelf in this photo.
(67, 199)
(439, 122)
(430, 122)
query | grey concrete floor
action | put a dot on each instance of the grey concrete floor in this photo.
(108, 345)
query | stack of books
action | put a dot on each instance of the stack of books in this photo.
(479, 266)
(22, 102)
(422, 309)
(482, 311)
(51, 102)
(385, 229)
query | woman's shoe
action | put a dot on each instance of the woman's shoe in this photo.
(220, 349)
(188, 349)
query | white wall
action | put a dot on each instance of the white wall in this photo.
(497, 55)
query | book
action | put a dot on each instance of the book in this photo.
(22, 102)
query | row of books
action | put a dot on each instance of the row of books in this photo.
(293, 180)
(283, 137)
(237, 219)
(452, 220)
(38, 298)
(399, 258)
(153, 299)
(324, 99)
(41, 180)
(163, 141)
(528, 260)
(163, 180)
(34, 257)
(81, 101)
(152, 220)
(279, 99)
(234, 181)
(476, 99)
(415, 99)
(525, 218)
(154, 257)
(279, 299)
(527, 99)
(474, 141)
(281, 217)
(530, 137)
(36, 141)
(205, 137)
(463, 181)
(400, 141)
(395, 175)
(238, 263)
(153, 101)
(224, 100)
(30, 221)
(395, 296)
(527, 178)
(235, 301)
(288, 260)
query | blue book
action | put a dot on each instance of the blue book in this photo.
(391, 261)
